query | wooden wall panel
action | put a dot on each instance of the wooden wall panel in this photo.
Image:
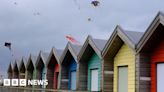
(156, 57)
(94, 63)
(125, 57)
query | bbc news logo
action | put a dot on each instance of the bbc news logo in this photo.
(24, 82)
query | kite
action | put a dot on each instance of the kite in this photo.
(8, 45)
(72, 40)
(89, 19)
(36, 14)
(15, 3)
(95, 3)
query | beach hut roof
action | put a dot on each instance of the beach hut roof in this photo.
(118, 37)
(100, 43)
(21, 62)
(10, 67)
(32, 58)
(73, 49)
(134, 36)
(24, 61)
(15, 64)
(154, 30)
(96, 44)
(43, 56)
(18, 62)
(57, 53)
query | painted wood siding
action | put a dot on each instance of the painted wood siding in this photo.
(156, 57)
(56, 75)
(29, 76)
(10, 75)
(34, 76)
(94, 63)
(107, 71)
(44, 74)
(72, 67)
(142, 72)
(125, 57)
(23, 75)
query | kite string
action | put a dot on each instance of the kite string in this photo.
(13, 54)
(77, 4)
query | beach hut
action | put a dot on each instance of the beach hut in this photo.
(41, 69)
(31, 68)
(22, 68)
(90, 65)
(53, 67)
(150, 52)
(10, 70)
(119, 73)
(68, 67)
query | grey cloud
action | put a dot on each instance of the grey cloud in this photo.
(30, 33)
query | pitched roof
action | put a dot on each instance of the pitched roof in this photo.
(44, 56)
(12, 63)
(25, 61)
(118, 37)
(159, 19)
(73, 49)
(33, 59)
(10, 67)
(97, 46)
(15, 64)
(100, 43)
(134, 36)
(21, 62)
(57, 53)
(18, 62)
(76, 48)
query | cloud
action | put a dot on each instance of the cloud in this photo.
(30, 33)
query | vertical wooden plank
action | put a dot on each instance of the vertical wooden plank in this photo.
(144, 72)
(107, 85)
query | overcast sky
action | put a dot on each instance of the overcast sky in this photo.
(34, 25)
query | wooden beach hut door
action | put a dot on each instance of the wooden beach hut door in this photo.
(160, 77)
(94, 80)
(123, 79)
(73, 80)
